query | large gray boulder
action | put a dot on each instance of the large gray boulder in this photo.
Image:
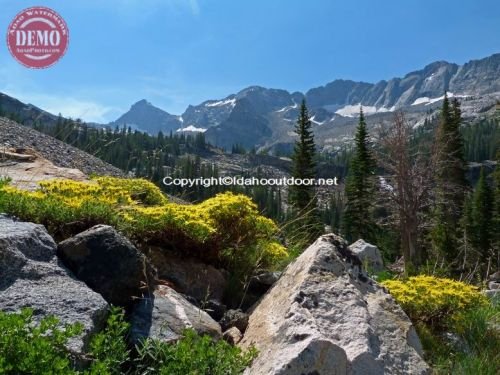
(108, 263)
(32, 277)
(324, 316)
(165, 314)
(368, 254)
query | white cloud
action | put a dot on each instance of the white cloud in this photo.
(86, 110)
(75, 108)
(20, 84)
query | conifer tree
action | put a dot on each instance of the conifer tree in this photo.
(360, 186)
(482, 215)
(496, 212)
(451, 184)
(304, 163)
(302, 197)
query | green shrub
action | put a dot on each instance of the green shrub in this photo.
(4, 180)
(227, 228)
(478, 332)
(108, 349)
(458, 327)
(434, 301)
(384, 275)
(193, 354)
(29, 348)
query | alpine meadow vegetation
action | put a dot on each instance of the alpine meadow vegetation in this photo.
(456, 323)
(441, 223)
(227, 228)
(28, 348)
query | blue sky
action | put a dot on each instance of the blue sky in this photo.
(179, 52)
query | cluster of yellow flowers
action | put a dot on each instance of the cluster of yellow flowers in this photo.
(109, 190)
(431, 299)
(228, 219)
(141, 210)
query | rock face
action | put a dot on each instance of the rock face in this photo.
(493, 291)
(198, 280)
(27, 173)
(108, 263)
(165, 314)
(324, 317)
(259, 116)
(234, 318)
(368, 254)
(232, 336)
(31, 276)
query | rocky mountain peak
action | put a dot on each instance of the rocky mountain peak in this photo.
(144, 116)
(141, 103)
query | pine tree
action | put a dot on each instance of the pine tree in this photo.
(451, 184)
(482, 215)
(304, 163)
(302, 197)
(496, 212)
(358, 220)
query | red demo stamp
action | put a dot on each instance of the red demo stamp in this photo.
(37, 37)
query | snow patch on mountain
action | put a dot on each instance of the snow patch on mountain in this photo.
(316, 122)
(221, 103)
(426, 100)
(284, 109)
(431, 77)
(419, 123)
(192, 128)
(353, 110)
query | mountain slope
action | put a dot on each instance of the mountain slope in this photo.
(265, 117)
(25, 113)
(231, 129)
(271, 113)
(146, 117)
(16, 136)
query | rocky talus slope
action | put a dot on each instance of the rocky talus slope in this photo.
(19, 137)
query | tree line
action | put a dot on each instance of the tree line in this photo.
(154, 157)
(409, 194)
(414, 199)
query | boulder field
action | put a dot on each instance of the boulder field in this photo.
(321, 315)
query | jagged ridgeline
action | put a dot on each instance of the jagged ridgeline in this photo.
(226, 229)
